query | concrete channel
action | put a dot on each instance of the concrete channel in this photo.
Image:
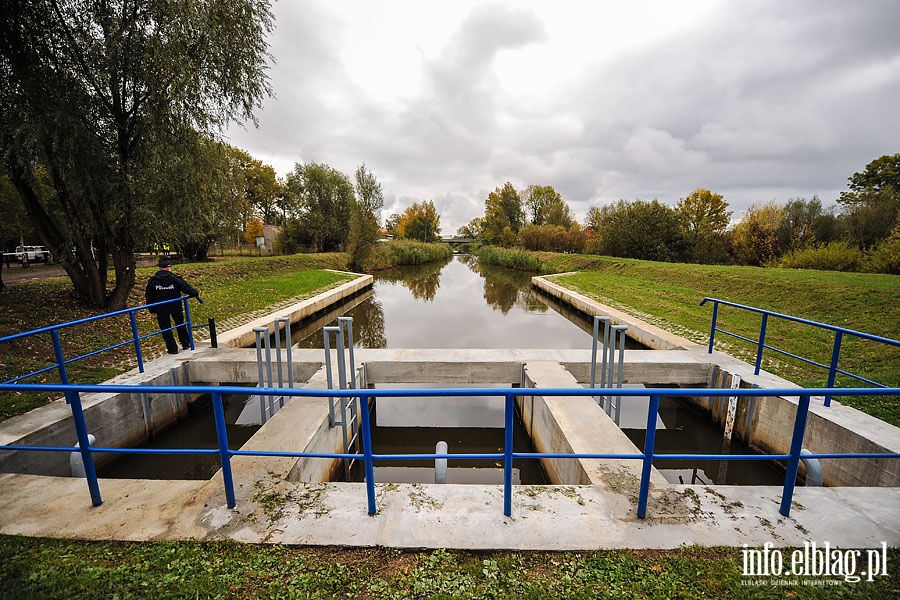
(590, 504)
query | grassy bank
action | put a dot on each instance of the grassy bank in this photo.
(47, 569)
(669, 295)
(231, 287)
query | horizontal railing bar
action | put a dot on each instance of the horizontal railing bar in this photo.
(868, 336)
(115, 313)
(800, 358)
(738, 336)
(439, 392)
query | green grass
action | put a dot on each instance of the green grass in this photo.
(49, 569)
(669, 295)
(229, 287)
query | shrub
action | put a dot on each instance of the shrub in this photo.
(833, 256)
(406, 252)
(511, 258)
(885, 257)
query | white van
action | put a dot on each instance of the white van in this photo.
(30, 254)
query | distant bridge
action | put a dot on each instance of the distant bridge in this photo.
(458, 240)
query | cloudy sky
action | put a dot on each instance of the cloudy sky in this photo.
(756, 100)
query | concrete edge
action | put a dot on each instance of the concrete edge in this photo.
(645, 333)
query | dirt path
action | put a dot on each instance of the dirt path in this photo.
(14, 273)
(18, 274)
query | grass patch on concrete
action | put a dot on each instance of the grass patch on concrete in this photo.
(230, 288)
(48, 569)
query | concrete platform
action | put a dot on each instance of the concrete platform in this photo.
(447, 516)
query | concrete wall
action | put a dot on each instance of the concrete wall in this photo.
(116, 420)
(767, 424)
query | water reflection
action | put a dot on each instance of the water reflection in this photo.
(433, 306)
(422, 281)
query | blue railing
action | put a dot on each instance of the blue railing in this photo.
(761, 345)
(135, 340)
(793, 457)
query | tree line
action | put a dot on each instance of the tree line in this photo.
(860, 233)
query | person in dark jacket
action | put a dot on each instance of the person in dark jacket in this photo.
(166, 285)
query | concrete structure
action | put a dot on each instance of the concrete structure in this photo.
(592, 505)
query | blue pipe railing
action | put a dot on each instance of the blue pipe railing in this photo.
(136, 338)
(793, 457)
(761, 345)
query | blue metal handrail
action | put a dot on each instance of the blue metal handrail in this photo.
(73, 397)
(135, 340)
(761, 345)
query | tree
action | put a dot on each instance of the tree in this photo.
(420, 222)
(705, 217)
(368, 192)
(364, 229)
(754, 240)
(873, 202)
(471, 230)
(325, 197)
(253, 230)
(546, 206)
(390, 224)
(797, 229)
(198, 194)
(261, 188)
(639, 229)
(503, 215)
(87, 89)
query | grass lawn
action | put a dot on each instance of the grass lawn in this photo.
(48, 569)
(669, 295)
(229, 288)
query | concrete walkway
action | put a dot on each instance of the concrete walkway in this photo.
(447, 516)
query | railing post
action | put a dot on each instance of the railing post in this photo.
(213, 337)
(832, 370)
(762, 343)
(790, 478)
(84, 446)
(224, 452)
(367, 453)
(508, 455)
(649, 443)
(60, 361)
(187, 321)
(137, 341)
(712, 329)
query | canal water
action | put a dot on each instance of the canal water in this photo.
(458, 304)
(461, 304)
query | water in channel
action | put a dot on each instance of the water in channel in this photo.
(457, 304)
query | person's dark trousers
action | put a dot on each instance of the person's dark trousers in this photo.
(166, 323)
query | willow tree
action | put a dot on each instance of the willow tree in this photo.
(89, 90)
